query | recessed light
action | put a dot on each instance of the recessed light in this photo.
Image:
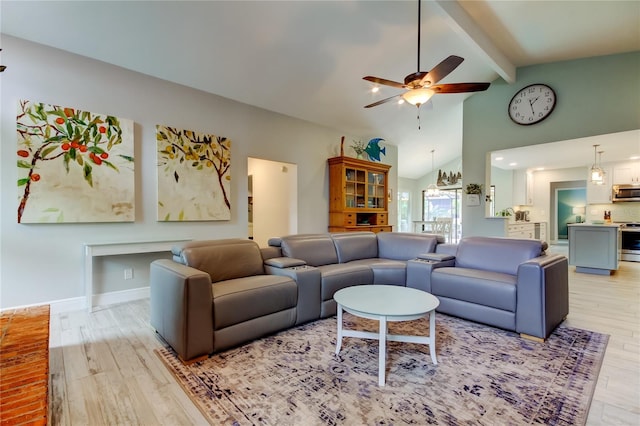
(400, 101)
(539, 169)
(375, 89)
(513, 164)
(499, 158)
(635, 157)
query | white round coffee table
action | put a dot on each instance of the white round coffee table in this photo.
(386, 303)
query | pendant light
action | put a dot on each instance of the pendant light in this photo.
(603, 173)
(597, 174)
(432, 189)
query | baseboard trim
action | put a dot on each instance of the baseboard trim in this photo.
(120, 296)
(79, 303)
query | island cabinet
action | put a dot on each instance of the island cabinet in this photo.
(358, 195)
(594, 249)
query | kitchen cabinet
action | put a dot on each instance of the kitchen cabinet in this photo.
(594, 249)
(521, 230)
(358, 197)
(543, 231)
(528, 230)
(522, 187)
(599, 194)
(626, 173)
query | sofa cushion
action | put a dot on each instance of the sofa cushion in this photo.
(243, 299)
(341, 275)
(221, 259)
(355, 245)
(315, 249)
(493, 289)
(405, 246)
(496, 254)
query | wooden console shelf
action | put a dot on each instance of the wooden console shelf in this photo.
(358, 195)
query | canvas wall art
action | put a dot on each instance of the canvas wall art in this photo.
(73, 165)
(194, 174)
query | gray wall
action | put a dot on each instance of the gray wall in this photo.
(595, 96)
(44, 262)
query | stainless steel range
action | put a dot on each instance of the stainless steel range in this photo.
(630, 246)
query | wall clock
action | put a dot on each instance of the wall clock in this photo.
(532, 104)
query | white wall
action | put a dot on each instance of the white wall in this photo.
(42, 263)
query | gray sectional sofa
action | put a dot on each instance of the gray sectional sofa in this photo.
(221, 293)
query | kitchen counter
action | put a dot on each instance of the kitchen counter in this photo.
(594, 248)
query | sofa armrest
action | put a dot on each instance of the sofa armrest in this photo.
(419, 270)
(284, 262)
(542, 295)
(182, 307)
(436, 257)
(308, 281)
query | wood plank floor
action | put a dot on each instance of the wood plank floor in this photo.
(104, 371)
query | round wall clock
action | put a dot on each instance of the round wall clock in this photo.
(532, 104)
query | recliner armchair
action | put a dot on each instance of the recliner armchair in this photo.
(216, 294)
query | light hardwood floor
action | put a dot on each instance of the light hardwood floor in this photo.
(104, 371)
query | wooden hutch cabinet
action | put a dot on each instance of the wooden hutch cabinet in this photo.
(358, 195)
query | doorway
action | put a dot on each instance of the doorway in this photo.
(272, 199)
(447, 206)
(568, 200)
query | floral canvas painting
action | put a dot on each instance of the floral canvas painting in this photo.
(73, 165)
(193, 175)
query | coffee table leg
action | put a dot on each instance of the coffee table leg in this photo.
(432, 336)
(382, 351)
(339, 337)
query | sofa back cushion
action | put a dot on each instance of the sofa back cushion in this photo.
(405, 246)
(355, 245)
(315, 249)
(496, 254)
(222, 259)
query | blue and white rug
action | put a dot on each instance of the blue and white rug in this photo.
(484, 376)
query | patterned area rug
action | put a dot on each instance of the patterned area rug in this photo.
(484, 376)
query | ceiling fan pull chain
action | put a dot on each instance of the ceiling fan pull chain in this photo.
(418, 117)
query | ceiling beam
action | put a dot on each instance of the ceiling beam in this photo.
(461, 22)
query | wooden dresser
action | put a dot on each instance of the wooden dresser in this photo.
(358, 197)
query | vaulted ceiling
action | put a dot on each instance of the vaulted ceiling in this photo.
(306, 59)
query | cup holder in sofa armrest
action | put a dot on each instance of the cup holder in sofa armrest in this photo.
(284, 262)
(435, 257)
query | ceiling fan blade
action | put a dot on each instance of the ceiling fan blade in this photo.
(441, 70)
(384, 81)
(382, 101)
(460, 87)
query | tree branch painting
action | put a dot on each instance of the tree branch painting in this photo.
(193, 175)
(73, 166)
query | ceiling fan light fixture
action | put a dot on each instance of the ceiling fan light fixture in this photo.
(418, 96)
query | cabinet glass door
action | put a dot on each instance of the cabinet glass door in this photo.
(375, 195)
(355, 184)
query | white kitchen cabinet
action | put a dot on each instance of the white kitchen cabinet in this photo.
(522, 188)
(626, 173)
(599, 194)
(521, 230)
(543, 231)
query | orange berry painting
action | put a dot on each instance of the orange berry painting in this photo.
(73, 166)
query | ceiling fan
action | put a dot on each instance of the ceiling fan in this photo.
(422, 85)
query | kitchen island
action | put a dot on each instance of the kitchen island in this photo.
(594, 248)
